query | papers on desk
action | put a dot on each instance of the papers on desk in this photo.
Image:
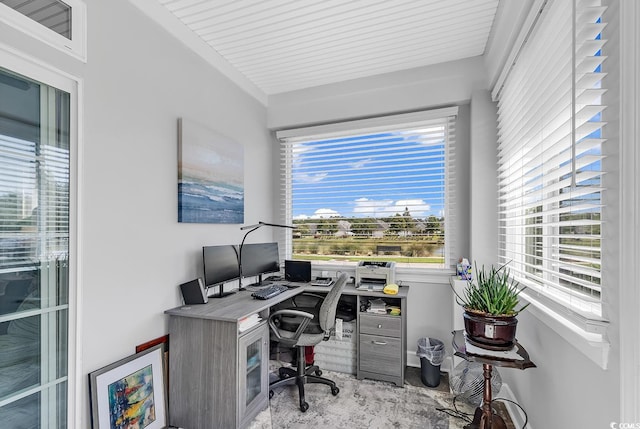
(377, 306)
(248, 322)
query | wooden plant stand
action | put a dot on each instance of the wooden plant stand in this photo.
(484, 417)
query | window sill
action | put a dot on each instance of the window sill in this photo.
(592, 345)
(403, 274)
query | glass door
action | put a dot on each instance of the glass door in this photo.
(253, 369)
(34, 253)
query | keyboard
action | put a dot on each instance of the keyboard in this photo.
(269, 291)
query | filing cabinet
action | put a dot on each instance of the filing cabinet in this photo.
(382, 342)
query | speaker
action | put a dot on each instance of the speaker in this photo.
(193, 292)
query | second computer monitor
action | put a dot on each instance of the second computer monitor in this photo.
(220, 266)
(259, 258)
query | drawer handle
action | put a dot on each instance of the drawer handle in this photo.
(379, 343)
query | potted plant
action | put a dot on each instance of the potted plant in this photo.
(491, 301)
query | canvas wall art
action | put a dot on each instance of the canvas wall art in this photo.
(130, 392)
(210, 176)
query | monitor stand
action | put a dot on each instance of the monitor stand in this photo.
(259, 282)
(221, 293)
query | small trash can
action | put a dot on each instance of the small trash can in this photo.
(431, 353)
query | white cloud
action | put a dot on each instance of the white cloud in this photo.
(310, 178)
(374, 208)
(359, 164)
(388, 207)
(324, 214)
(318, 214)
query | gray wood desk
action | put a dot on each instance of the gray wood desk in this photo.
(381, 339)
(218, 376)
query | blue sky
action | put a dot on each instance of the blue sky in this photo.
(376, 175)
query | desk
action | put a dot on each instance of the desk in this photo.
(484, 417)
(219, 375)
(381, 339)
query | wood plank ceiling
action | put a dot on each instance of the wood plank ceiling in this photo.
(285, 45)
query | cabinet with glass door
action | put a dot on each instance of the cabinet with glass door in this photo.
(252, 372)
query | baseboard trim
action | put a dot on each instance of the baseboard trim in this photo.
(517, 415)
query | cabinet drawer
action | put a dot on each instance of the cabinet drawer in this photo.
(390, 326)
(382, 355)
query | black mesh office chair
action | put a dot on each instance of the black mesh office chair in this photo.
(305, 326)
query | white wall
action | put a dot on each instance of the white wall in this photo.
(420, 88)
(507, 23)
(483, 210)
(138, 80)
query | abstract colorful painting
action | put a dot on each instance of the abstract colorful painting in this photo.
(130, 393)
(210, 176)
(131, 401)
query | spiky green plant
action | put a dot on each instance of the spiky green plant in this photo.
(493, 292)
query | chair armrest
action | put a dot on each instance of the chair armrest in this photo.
(309, 294)
(291, 312)
(307, 317)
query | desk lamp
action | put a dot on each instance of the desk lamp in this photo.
(252, 228)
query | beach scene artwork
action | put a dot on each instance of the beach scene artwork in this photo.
(210, 176)
(131, 403)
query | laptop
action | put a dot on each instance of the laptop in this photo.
(297, 271)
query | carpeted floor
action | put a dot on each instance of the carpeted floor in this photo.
(363, 404)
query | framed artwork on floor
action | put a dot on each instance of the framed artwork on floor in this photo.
(130, 392)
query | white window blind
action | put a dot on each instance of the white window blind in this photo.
(550, 159)
(372, 188)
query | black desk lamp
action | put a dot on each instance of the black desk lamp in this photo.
(252, 228)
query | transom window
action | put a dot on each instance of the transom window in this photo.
(60, 24)
(53, 14)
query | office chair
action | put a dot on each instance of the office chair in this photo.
(300, 327)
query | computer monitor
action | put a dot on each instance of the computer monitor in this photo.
(220, 265)
(259, 258)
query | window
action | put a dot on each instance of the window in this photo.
(375, 189)
(550, 162)
(57, 23)
(34, 252)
